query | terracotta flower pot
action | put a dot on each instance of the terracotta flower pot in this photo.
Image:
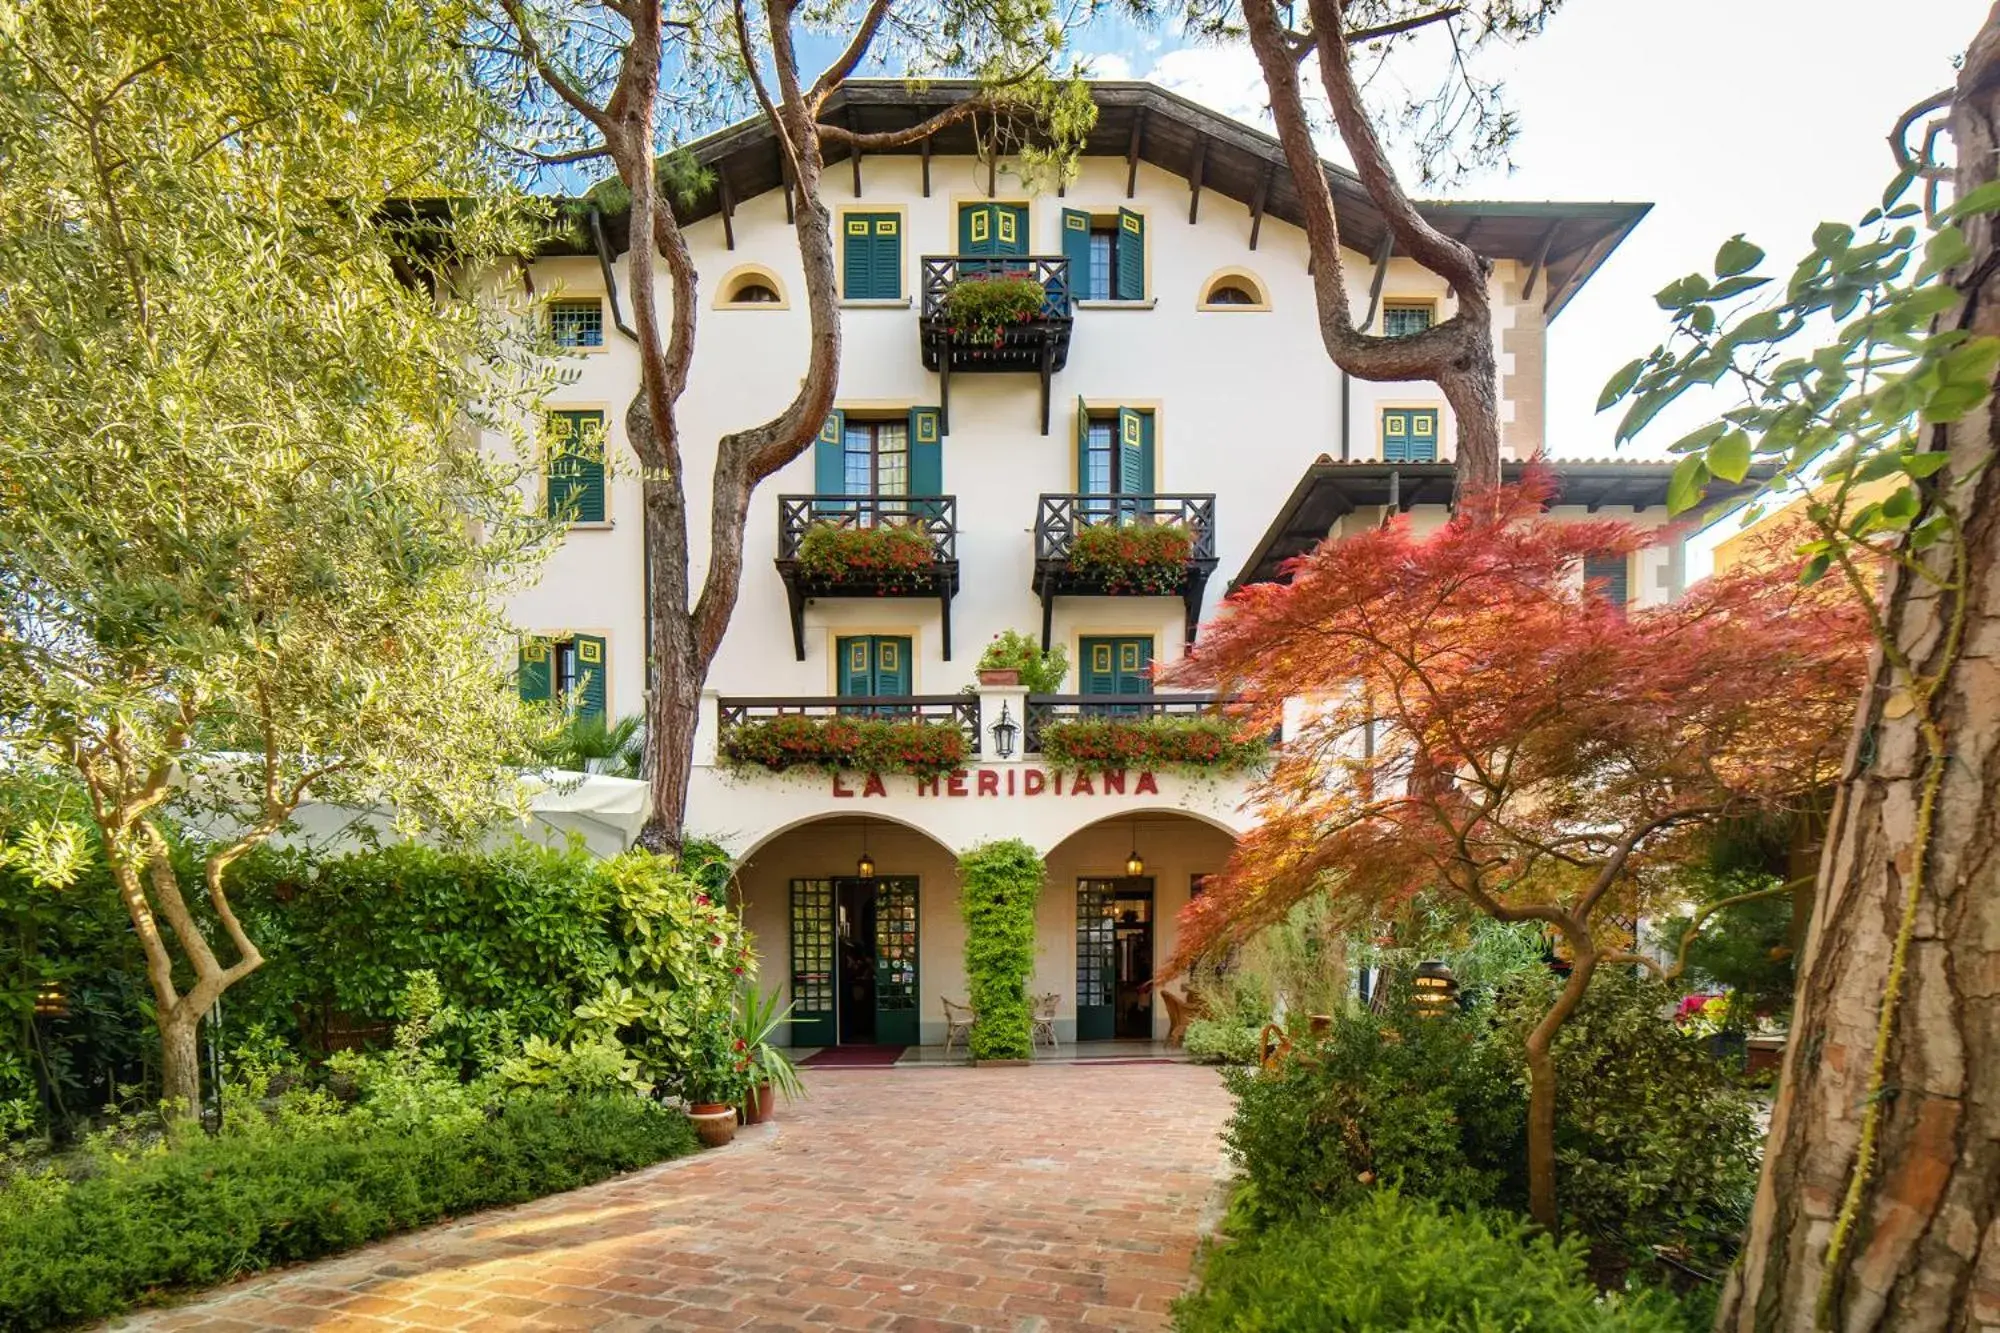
(999, 676)
(759, 1105)
(714, 1125)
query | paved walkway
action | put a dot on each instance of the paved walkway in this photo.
(1032, 1200)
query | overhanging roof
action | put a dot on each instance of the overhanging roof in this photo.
(1331, 490)
(1568, 240)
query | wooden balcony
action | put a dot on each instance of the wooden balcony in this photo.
(1060, 518)
(1046, 708)
(1039, 346)
(807, 574)
(960, 708)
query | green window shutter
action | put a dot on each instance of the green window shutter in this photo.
(1396, 435)
(591, 667)
(533, 671)
(1076, 248)
(574, 479)
(1082, 445)
(975, 229)
(1134, 463)
(1613, 573)
(892, 665)
(926, 451)
(1135, 662)
(856, 672)
(1131, 257)
(1100, 665)
(886, 262)
(829, 456)
(1010, 229)
(857, 256)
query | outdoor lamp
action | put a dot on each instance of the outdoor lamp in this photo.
(51, 1001)
(865, 867)
(1135, 864)
(1436, 989)
(1003, 734)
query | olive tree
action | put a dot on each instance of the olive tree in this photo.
(246, 546)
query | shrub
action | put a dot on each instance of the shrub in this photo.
(1423, 1103)
(1196, 744)
(983, 309)
(1144, 558)
(1000, 884)
(1390, 1264)
(1041, 672)
(1655, 1145)
(854, 744)
(891, 558)
(1220, 1042)
(267, 1193)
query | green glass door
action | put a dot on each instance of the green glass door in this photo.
(1096, 959)
(812, 963)
(896, 960)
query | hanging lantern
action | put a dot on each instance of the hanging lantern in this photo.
(1135, 864)
(51, 1001)
(1004, 732)
(865, 867)
(1435, 988)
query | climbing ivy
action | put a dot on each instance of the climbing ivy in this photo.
(1000, 882)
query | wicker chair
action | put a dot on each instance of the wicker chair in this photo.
(1044, 1016)
(1181, 1010)
(957, 1023)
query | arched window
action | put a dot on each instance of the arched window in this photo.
(751, 287)
(1233, 289)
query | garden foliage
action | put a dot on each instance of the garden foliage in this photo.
(1167, 744)
(1221, 1041)
(1139, 558)
(890, 558)
(1000, 885)
(1389, 1263)
(1041, 672)
(983, 309)
(854, 744)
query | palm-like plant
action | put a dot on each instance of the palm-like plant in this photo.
(758, 1017)
(590, 745)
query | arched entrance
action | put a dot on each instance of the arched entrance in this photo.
(1116, 888)
(856, 918)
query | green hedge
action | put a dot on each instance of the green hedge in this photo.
(1393, 1265)
(1217, 1041)
(1000, 883)
(215, 1209)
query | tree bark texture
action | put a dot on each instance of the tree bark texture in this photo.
(1924, 1250)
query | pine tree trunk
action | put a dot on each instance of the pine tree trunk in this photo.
(1924, 1252)
(676, 671)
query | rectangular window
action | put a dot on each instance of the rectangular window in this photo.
(873, 666)
(876, 457)
(577, 323)
(1106, 254)
(1409, 434)
(1103, 256)
(569, 671)
(1101, 457)
(871, 256)
(1609, 576)
(573, 484)
(1400, 319)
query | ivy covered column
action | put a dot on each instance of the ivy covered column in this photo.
(999, 885)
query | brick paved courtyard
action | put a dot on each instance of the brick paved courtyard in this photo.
(1027, 1199)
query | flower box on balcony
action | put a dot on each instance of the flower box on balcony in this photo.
(891, 558)
(1184, 744)
(858, 744)
(981, 310)
(1137, 558)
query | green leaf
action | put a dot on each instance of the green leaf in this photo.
(1900, 506)
(1735, 286)
(1698, 439)
(1881, 465)
(1983, 199)
(1946, 249)
(1815, 570)
(1832, 238)
(1922, 465)
(1621, 383)
(1894, 190)
(1685, 488)
(1729, 457)
(1736, 256)
(1682, 292)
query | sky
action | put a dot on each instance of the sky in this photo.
(1755, 116)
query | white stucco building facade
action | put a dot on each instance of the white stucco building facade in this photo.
(1191, 382)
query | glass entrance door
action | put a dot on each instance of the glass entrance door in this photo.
(854, 961)
(1114, 958)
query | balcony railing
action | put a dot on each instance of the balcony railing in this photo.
(1059, 518)
(1039, 346)
(962, 709)
(934, 516)
(1046, 708)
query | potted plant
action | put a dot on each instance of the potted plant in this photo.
(983, 309)
(715, 1080)
(771, 1071)
(1138, 558)
(1014, 658)
(894, 557)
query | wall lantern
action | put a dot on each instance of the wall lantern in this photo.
(1004, 732)
(1135, 864)
(51, 1001)
(1436, 989)
(865, 867)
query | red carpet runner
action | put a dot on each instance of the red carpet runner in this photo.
(854, 1057)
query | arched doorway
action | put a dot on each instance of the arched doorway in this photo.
(856, 918)
(1116, 888)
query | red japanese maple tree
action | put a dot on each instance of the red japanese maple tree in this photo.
(1470, 719)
